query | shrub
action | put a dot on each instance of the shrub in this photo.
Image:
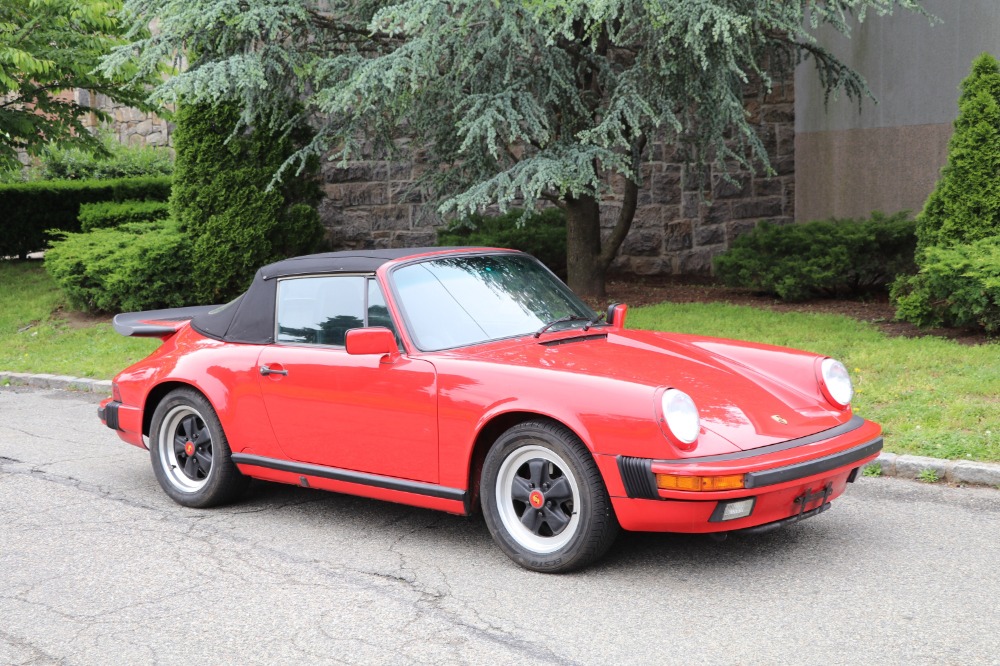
(823, 258)
(956, 286)
(29, 210)
(115, 213)
(222, 199)
(137, 266)
(965, 203)
(959, 229)
(122, 161)
(542, 234)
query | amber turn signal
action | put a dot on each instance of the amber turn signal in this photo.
(699, 483)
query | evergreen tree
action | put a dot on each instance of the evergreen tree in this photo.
(510, 101)
(965, 204)
(234, 222)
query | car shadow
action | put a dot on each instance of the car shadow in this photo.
(632, 550)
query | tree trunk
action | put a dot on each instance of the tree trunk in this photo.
(584, 269)
(587, 257)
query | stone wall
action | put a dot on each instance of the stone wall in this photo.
(131, 126)
(678, 227)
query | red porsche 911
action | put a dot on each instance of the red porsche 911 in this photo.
(469, 379)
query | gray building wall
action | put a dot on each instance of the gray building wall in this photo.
(887, 156)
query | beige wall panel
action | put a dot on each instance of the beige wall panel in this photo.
(850, 173)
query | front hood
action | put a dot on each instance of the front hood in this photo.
(751, 395)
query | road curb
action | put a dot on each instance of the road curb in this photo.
(64, 382)
(964, 472)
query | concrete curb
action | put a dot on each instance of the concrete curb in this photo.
(964, 472)
(63, 382)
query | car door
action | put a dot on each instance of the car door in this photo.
(351, 412)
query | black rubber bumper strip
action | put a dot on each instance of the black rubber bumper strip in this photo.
(362, 478)
(769, 477)
(109, 414)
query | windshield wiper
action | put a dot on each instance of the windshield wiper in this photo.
(595, 320)
(552, 323)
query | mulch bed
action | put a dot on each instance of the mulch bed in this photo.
(876, 310)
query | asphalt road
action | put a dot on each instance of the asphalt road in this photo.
(98, 566)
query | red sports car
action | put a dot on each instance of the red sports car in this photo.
(466, 378)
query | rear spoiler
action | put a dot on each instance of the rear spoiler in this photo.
(156, 323)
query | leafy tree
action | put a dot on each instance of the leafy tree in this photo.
(48, 47)
(511, 101)
(965, 204)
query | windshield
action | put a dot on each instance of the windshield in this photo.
(458, 301)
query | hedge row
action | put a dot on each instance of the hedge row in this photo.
(137, 266)
(823, 258)
(30, 209)
(108, 214)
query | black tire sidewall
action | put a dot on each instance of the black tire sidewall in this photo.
(222, 484)
(594, 500)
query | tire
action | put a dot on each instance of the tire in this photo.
(190, 453)
(544, 500)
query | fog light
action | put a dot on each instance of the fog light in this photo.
(699, 483)
(733, 510)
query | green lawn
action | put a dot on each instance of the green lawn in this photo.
(933, 397)
(36, 337)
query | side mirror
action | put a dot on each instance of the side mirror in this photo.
(372, 340)
(616, 315)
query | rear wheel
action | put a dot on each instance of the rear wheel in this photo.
(190, 453)
(544, 500)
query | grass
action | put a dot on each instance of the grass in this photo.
(933, 397)
(37, 336)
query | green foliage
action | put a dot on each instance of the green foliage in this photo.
(509, 102)
(50, 46)
(872, 469)
(958, 285)
(928, 475)
(115, 161)
(965, 204)
(31, 209)
(542, 234)
(820, 259)
(115, 213)
(223, 202)
(137, 266)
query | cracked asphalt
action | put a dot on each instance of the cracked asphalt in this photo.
(98, 566)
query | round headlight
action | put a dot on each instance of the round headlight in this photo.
(681, 415)
(837, 382)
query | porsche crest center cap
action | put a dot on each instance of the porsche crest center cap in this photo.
(189, 449)
(536, 499)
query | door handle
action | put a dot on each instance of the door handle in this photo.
(265, 371)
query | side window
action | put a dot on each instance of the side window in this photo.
(320, 310)
(378, 310)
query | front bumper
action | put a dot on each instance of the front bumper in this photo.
(776, 477)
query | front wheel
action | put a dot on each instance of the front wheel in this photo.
(544, 500)
(190, 453)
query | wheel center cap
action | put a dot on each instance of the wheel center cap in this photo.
(189, 448)
(537, 499)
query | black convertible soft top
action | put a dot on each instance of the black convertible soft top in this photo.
(250, 318)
